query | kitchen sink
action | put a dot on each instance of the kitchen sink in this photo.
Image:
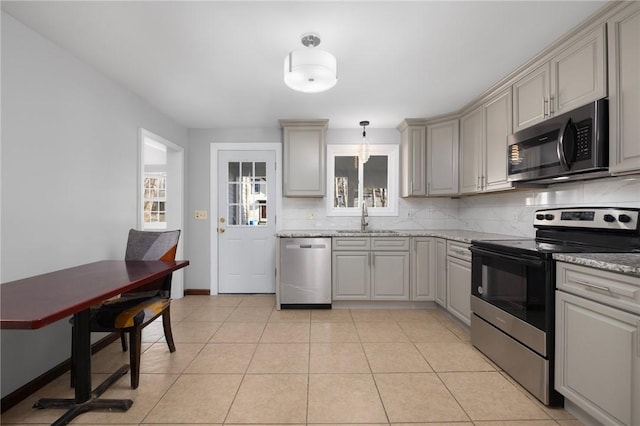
(366, 231)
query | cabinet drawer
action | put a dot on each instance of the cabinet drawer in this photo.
(613, 289)
(459, 250)
(390, 243)
(351, 243)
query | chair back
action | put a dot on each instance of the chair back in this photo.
(153, 245)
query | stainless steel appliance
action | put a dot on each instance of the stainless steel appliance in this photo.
(573, 145)
(513, 284)
(305, 272)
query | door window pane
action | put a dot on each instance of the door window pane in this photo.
(234, 172)
(247, 195)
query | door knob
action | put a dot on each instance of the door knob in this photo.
(221, 230)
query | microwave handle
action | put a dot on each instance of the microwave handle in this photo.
(523, 260)
(564, 144)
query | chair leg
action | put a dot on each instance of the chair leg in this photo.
(135, 343)
(123, 340)
(166, 324)
(73, 359)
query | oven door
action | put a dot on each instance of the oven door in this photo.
(514, 293)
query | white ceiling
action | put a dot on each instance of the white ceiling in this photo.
(217, 64)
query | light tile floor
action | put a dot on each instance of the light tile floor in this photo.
(240, 361)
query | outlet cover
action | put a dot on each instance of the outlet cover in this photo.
(201, 215)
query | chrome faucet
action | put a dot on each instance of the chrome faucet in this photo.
(363, 221)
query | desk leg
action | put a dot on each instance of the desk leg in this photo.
(85, 399)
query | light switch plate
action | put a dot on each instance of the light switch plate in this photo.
(201, 215)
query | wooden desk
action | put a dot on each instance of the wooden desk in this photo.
(35, 302)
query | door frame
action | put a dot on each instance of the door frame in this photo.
(213, 200)
(175, 167)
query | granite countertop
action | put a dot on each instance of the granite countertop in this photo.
(449, 234)
(624, 263)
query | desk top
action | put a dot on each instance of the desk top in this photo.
(37, 301)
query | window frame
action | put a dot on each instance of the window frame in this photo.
(392, 152)
(162, 176)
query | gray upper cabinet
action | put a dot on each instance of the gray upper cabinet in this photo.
(413, 146)
(624, 95)
(531, 98)
(483, 145)
(579, 72)
(304, 152)
(573, 76)
(497, 127)
(471, 151)
(442, 158)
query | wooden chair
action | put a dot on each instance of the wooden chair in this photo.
(131, 312)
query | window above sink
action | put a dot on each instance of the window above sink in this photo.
(350, 182)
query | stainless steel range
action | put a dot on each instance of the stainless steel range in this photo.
(513, 283)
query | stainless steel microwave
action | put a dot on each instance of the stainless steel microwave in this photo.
(573, 145)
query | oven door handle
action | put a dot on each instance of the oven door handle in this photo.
(523, 260)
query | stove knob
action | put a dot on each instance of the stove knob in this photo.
(609, 218)
(624, 218)
(539, 216)
(548, 216)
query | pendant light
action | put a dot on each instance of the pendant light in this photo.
(364, 145)
(310, 70)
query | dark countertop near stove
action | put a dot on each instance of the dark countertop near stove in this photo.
(624, 263)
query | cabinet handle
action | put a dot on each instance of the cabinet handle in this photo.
(478, 184)
(545, 102)
(588, 284)
(551, 111)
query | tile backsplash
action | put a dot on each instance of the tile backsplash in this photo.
(509, 213)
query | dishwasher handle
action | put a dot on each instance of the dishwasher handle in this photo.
(305, 246)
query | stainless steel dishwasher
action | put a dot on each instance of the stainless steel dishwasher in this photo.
(305, 273)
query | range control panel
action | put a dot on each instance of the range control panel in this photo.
(589, 218)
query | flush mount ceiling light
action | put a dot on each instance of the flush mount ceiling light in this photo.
(364, 145)
(310, 70)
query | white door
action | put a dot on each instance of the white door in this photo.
(246, 221)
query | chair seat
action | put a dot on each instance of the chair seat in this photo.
(126, 312)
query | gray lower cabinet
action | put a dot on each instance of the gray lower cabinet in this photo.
(597, 342)
(459, 281)
(423, 272)
(370, 268)
(351, 275)
(440, 263)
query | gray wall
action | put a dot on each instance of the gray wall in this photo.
(69, 177)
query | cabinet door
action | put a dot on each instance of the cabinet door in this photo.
(531, 98)
(578, 73)
(441, 272)
(471, 151)
(442, 158)
(390, 275)
(598, 359)
(459, 289)
(497, 126)
(624, 93)
(422, 269)
(304, 153)
(413, 150)
(351, 275)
